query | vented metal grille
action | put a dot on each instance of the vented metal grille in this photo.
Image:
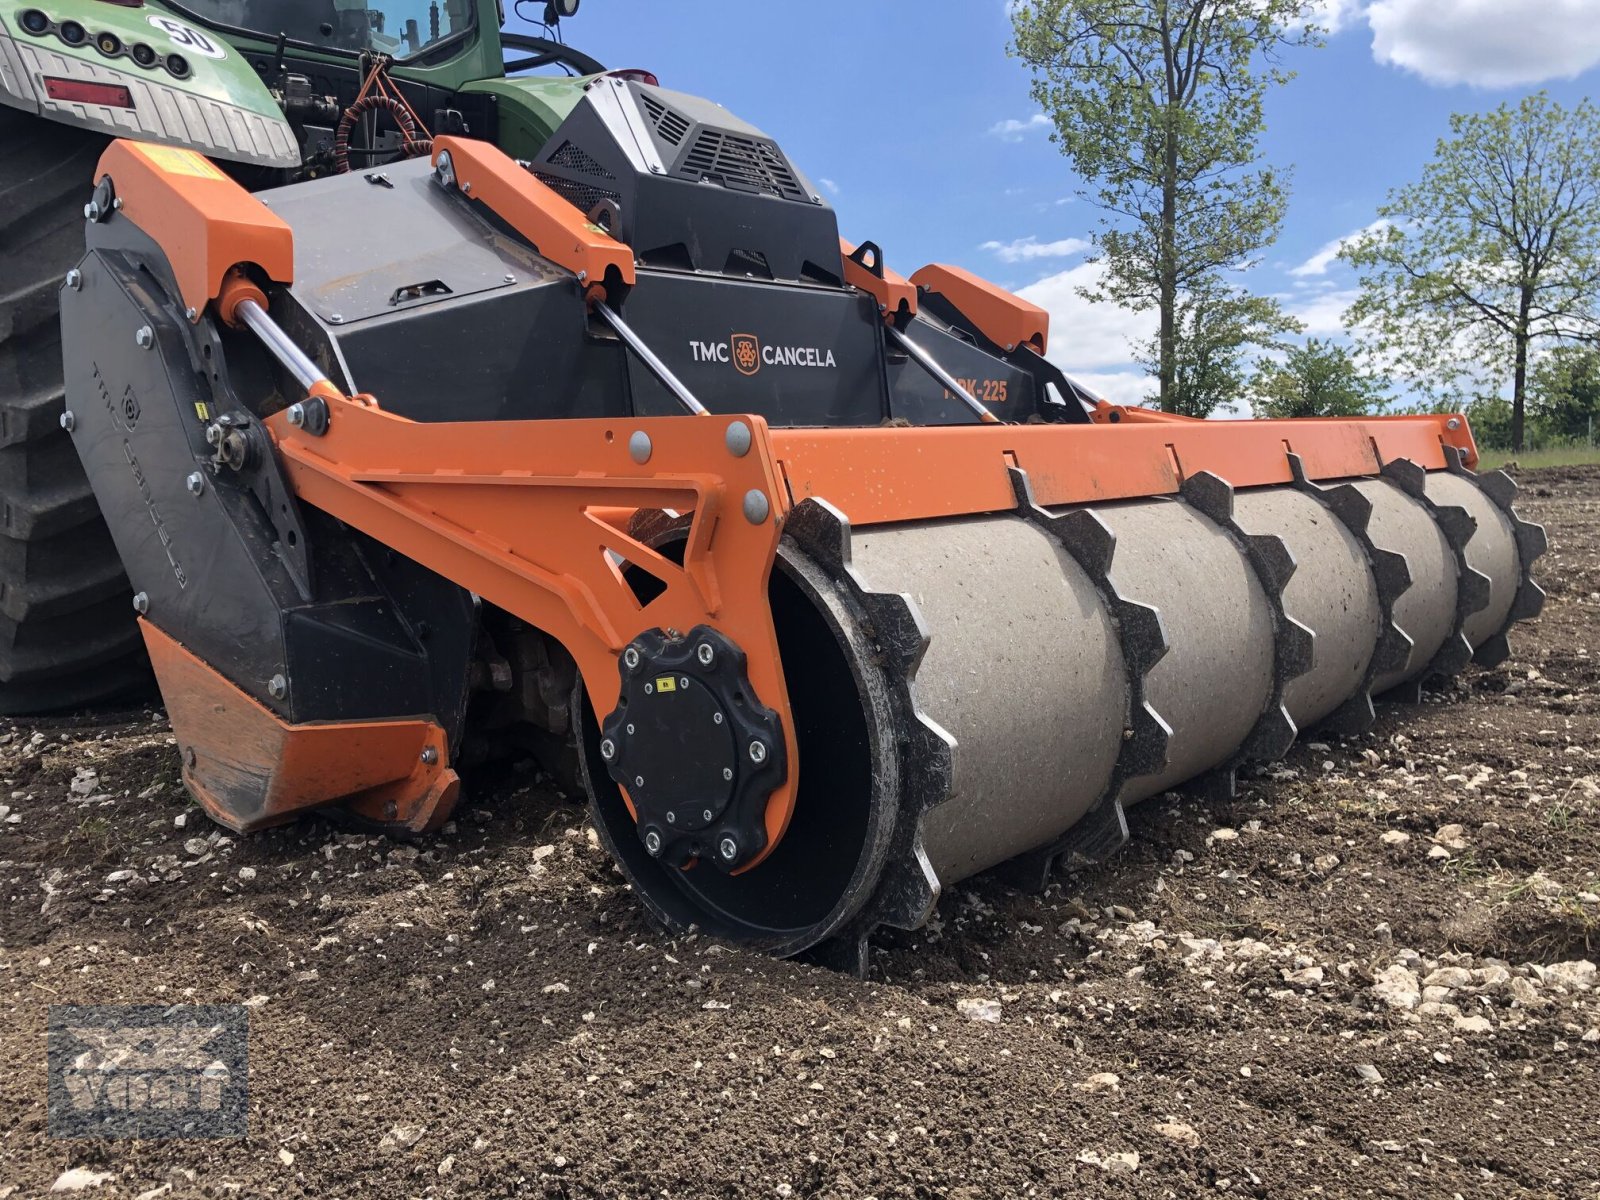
(582, 196)
(576, 158)
(747, 262)
(670, 124)
(741, 162)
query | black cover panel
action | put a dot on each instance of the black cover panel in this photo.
(795, 355)
(379, 637)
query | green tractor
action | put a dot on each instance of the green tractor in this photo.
(273, 91)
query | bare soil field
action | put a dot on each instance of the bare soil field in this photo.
(1371, 974)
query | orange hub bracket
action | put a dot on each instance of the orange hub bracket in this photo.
(250, 769)
(525, 515)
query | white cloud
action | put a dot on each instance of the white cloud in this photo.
(1086, 338)
(1120, 387)
(1332, 14)
(1030, 248)
(1486, 43)
(1013, 130)
(1322, 313)
(833, 188)
(1324, 258)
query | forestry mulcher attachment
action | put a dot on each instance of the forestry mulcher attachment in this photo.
(842, 591)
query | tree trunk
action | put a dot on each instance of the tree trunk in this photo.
(1168, 272)
(1519, 377)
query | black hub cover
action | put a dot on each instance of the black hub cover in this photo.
(696, 751)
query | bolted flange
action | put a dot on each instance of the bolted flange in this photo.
(675, 695)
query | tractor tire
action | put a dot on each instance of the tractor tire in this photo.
(68, 638)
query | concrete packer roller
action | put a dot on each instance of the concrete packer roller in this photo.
(827, 585)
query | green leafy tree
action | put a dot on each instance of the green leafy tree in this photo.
(1158, 103)
(1564, 393)
(1318, 379)
(1216, 327)
(1493, 252)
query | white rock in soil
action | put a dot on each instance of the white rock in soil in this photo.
(1451, 837)
(1306, 976)
(1200, 947)
(1474, 1024)
(1576, 976)
(1437, 1008)
(1492, 976)
(1116, 1163)
(1438, 852)
(1369, 1073)
(1223, 835)
(1325, 864)
(1397, 987)
(195, 847)
(121, 876)
(84, 782)
(976, 1008)
(446, 1164)
(286, 1157)
(247, 873)
(1101, 1081)
(1449, 977)
(1591, 1035)
(401, 1137)
(179, 821)
(1177, 1131)
(1395, 837)
(78, 1178)
(1525, 993)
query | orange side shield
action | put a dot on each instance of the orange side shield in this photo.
(250, 769)
(1004, 319)
(557, 230)
(203, 221)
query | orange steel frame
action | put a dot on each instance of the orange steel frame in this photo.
(529, 514)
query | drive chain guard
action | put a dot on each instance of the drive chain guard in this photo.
(694, 749)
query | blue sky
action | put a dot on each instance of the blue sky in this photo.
(922, 131)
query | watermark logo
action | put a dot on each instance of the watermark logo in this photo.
(148, 1070)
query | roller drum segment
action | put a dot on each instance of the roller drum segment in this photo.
(1332, 592)
(1426, 610)
(1214, 682)
(1022, 671)
(1491, 551)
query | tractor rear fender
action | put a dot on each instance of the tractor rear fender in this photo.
(140, 71)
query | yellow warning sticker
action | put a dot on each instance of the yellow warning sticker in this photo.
(666, 684)
(202, 410)
(176, 161)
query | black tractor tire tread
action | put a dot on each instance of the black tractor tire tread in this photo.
(68, 638)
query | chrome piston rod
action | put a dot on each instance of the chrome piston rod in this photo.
(931, 365)
(277, 342)
(651, 360)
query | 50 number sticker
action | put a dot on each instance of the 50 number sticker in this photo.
(187, 37)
